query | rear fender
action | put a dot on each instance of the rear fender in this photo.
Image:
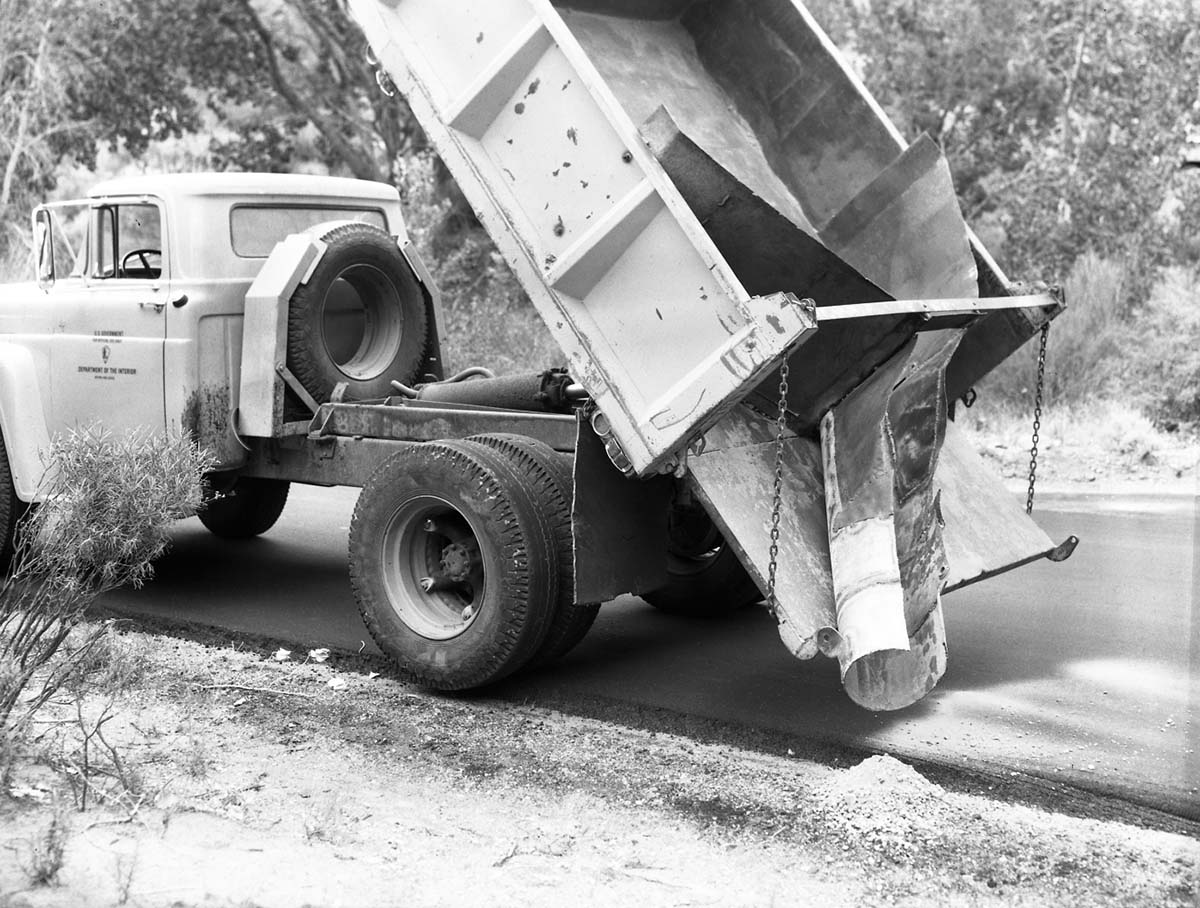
(22, 420)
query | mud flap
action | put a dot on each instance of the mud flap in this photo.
(733, 475)
(618, 524)
(987, 532)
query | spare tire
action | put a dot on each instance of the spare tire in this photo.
(360, 318)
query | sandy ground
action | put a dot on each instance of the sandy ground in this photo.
(246, 781)
(243, 780)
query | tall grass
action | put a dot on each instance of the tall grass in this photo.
(16, 261)
(1084, 346)
(488, 319)
(1102, 349)
(1163, 349)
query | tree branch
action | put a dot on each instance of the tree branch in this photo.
(18, 143)
(359, 163)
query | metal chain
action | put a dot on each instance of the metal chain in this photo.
(777, 496)
(1037, 417)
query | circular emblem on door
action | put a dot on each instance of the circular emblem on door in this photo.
(105, 353)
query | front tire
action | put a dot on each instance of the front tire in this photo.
(11, 510)
(452, 561)
(248, 507)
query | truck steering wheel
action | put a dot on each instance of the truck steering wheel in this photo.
(143, 256)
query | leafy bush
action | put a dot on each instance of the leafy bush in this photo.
(107, 506)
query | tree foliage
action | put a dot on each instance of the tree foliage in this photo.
(1063, 120)
(76, 75)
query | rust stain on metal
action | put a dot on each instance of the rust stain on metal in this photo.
(206, 416)
(519, 108)
(734, 363)
(573, 136)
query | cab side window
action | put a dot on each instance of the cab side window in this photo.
(128, 242)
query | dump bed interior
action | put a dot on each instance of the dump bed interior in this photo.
(791, 125)
(750, 103)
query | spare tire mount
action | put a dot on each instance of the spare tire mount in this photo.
(360, 318)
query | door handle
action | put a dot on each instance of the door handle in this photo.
(157, 307)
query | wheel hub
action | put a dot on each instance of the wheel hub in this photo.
(457, 562)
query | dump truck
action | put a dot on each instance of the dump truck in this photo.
(765, 297)
(767, 293)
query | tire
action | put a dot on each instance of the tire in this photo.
(360, 318)
(247, 507)
(571, 620)
(12, 509)
(706, 578)
(469, 518)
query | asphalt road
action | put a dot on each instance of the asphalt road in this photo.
(1086, 672)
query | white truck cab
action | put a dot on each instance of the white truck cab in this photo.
(136, 317)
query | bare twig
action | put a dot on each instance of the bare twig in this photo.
(513, 852)
(256, 690)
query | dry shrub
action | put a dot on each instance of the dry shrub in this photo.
(15, 262)
(47, 853)
(1163, 349)
(1083, 352)
(108, 504)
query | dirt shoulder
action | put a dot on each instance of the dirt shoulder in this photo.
(249, 781)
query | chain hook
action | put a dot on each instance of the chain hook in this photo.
(382, 79)
(1037, 417)
(777, 495)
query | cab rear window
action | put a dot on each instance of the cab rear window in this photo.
(255, 229)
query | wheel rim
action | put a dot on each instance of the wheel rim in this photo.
(694, 541)
(428, 541)
(362, 322)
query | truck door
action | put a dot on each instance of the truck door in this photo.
(110, 328)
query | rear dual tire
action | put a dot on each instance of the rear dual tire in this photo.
(707, 579)
(453, 561)
(570, 620)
